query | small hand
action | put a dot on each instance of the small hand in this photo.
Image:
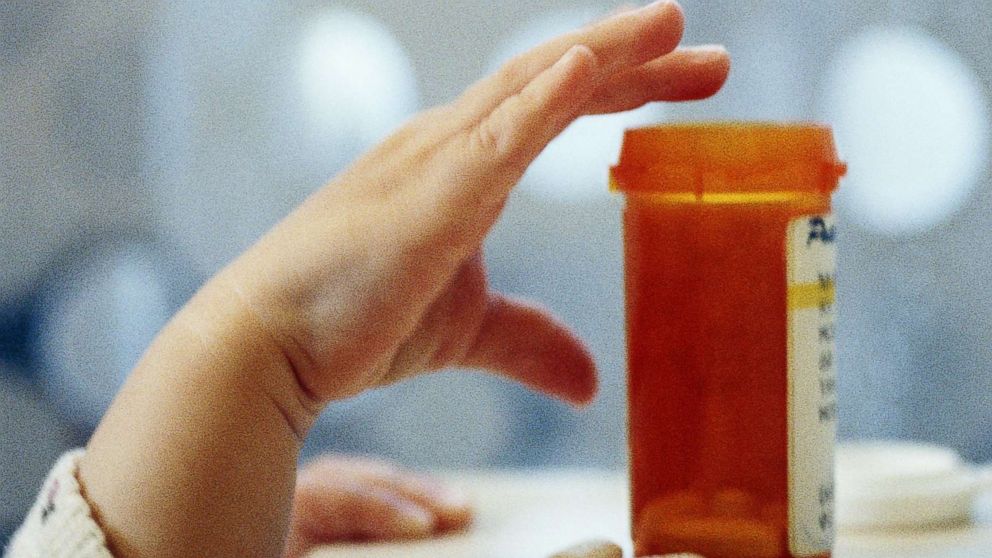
(340, 498)
(378, 276)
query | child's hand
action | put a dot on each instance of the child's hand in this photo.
(347, 498)
(376, 277)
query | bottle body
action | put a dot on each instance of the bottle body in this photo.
(707, 330)
(729, 304)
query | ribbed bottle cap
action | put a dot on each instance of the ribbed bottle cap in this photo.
(738, 157)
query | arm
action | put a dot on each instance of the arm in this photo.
(376, 277)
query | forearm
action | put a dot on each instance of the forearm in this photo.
(204, 436)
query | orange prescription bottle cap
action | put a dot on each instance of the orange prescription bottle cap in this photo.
(728, 158)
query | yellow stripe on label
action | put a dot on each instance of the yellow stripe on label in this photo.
(810, 295)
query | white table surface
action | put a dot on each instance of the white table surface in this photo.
(534, 514)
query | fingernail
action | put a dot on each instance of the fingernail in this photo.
(570, 54)
(415, 522)
(657, 4)
(714, 49)
(450, 498)
(707, 54)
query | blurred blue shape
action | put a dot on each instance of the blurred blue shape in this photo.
(70, 113)
(440, 420)
(20, 21)
(96, 315)
(33, 436)
(15, 330)
(915, 316)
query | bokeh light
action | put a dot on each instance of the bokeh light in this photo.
(247, 120)
(913, 123)
(355, 77)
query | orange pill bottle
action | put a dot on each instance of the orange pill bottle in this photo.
(729, 271)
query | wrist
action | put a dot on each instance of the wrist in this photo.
(228, 330)
(205, 434)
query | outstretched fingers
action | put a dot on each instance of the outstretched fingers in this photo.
(627, 39)
(522, 125)
(502, 123)
(687, 74)
(491, 156)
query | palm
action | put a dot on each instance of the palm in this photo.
(448, 330)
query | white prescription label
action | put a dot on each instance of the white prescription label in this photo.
(812, 407)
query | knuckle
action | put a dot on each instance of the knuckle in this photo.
(499, 140)
(511, 73)
(489, 137)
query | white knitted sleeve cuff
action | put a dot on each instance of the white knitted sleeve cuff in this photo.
(60, 524)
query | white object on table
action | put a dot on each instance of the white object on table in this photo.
(535, 514)
(900, 484)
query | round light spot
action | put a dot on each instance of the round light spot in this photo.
(573, 168)
(247, 120)
(913, 124)
(34, 435)
(355, 77)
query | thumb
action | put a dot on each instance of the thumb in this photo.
(524, 342)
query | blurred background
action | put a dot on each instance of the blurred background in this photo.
(143, 144)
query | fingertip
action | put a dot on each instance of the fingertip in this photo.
(584, 56)
(716, 61)
(726, 64)
(720, 57)
(455, 503)
(573, 379)
(675, 16)
(453, 517)
(587, 387)
(578, 367)
(452, 508)
(668, 27)
(698, 73)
